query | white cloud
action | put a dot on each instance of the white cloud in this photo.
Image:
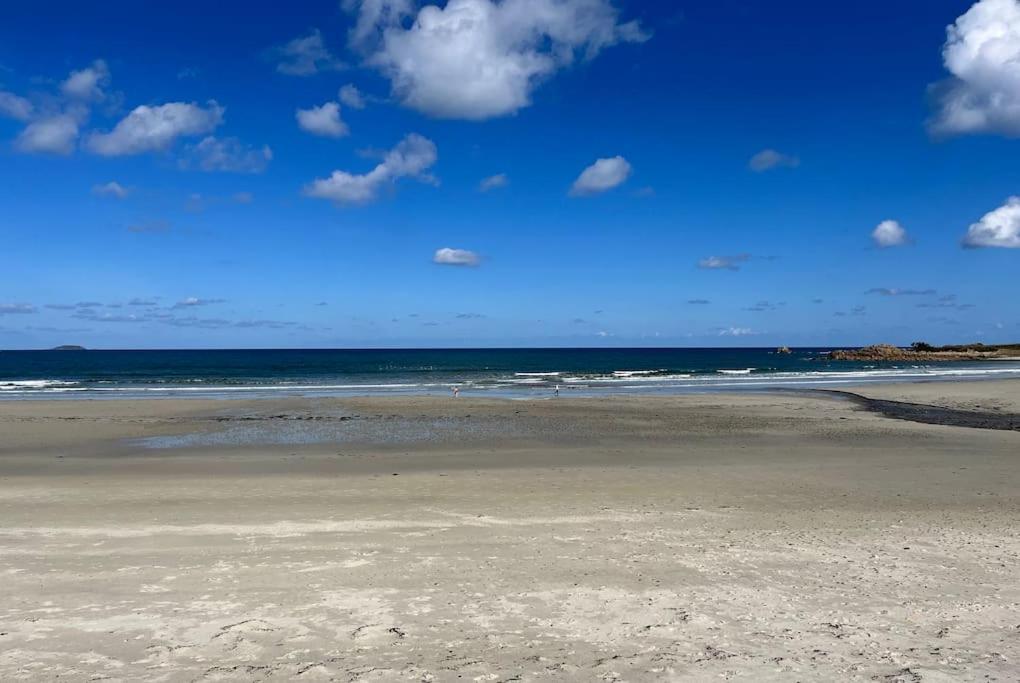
(997, 228)
(55, 134)
(306, 56)
(149, 129)
(604, 174)
(15, 309)
(768, 159)
(478, 59)
(15, 107)
(193, 301)
(374, 16)
(893, 291)
(455, 257)
(110, 189)
(350, 96)
(723, 262)
(890, 234)
(87, 84)
(735, 331)
(229, 155)
(493, 182)
(243, 197)
(982, 52)
(411, 158)
(324, 121)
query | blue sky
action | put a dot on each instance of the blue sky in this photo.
(693, 174)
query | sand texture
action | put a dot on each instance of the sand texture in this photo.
(747, 537)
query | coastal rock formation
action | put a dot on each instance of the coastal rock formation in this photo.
(925, 352)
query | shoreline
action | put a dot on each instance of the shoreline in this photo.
(707, 384)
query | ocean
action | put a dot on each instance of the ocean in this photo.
(515, 373)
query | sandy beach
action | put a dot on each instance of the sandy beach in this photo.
(737, 536)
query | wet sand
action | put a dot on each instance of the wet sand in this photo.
(762, 537)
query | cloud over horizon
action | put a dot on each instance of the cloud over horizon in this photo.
(724, 262)
(16, 309)
(892, 291)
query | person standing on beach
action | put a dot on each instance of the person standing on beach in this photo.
(556, 391)
(456, 392)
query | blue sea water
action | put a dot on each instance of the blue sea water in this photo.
(494, 372)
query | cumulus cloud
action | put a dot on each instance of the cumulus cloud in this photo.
(982, 54)
(110, 189)
(151, 129)
(997, 228)
(448, 256)
(493, 182)
(324, 120)
(604, 174)
(87, 84)
(351, 97)
(373, 16)
(411, 158)
(55, 128)
(305, 56)
(889, 234)
(15, 107)
(16, 309)
(478, 59)
(227, 154)
(723, 262)
(55, 134)
(768, 159)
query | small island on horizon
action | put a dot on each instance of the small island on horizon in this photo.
(68, 347)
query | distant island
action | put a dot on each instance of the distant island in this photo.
(922, 351)
(68, 347)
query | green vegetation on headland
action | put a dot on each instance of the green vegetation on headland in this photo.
(923, 351)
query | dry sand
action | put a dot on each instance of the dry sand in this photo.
(756, 537)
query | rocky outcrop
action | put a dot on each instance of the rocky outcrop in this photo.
(888, 352)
